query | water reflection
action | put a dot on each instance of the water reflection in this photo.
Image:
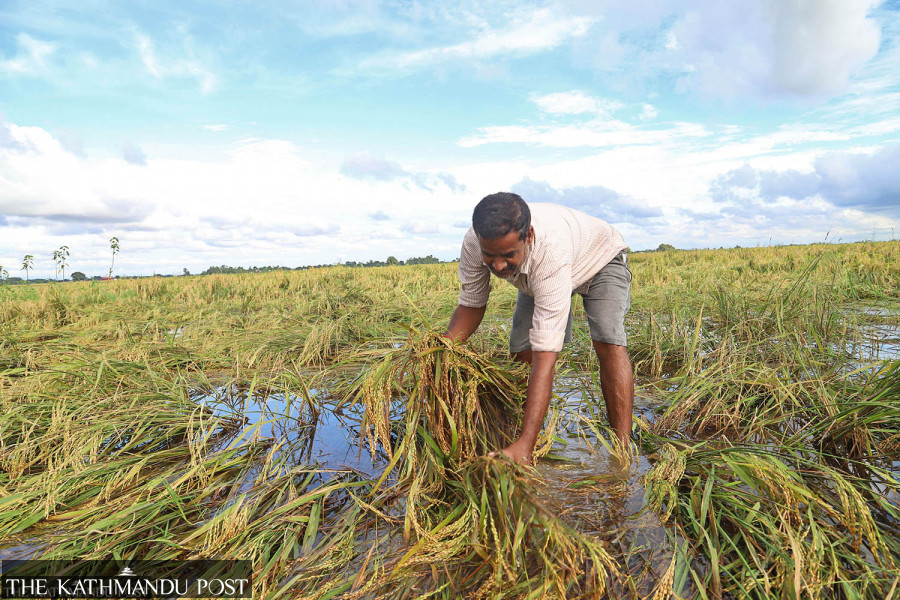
(304, 431)
(600, 494)
(581, 481)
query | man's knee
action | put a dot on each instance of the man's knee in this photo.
(608, 351)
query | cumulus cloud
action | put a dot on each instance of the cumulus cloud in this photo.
(366, 166)
(790, 184)
(71, 142)
(791, 47)
(264, 198)
(102, 211)
(133, 155)
(419, 227)
(863, 181)
(451, 182)
(314, 230)
(594, 200)
(8, 141)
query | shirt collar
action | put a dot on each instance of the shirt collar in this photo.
(529, 251)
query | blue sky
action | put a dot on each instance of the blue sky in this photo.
(207, 133)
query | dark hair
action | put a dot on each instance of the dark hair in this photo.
(498, 214)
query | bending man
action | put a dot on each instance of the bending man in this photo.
(549, 252)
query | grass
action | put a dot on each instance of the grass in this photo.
(771, 455)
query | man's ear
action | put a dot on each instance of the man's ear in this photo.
(530, 234)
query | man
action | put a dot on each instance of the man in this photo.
(549, 252)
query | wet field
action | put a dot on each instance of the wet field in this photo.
(314, 423)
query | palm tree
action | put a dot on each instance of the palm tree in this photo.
(27, 263)
(114, 244)
(59, 257)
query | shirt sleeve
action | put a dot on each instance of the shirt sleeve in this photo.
(473, 274)
(552, 301)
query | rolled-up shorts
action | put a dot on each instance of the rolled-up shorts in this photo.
(607, 300)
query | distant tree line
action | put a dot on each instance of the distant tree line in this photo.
(392, 261)
(389, 262)
(227, 269)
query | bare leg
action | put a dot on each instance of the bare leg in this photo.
(617, 385)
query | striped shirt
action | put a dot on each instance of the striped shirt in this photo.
(569, 248)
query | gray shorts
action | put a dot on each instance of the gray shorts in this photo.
(607, 300)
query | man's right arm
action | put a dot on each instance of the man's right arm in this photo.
(464, 322)
(476, 287)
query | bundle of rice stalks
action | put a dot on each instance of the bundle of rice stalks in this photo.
(494, 539)
(456, 404)
(473, 526)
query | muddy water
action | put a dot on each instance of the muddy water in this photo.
(880, 334)
(599, 494)
(307, 434)
(580, 480)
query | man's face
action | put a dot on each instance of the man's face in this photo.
(504, 255)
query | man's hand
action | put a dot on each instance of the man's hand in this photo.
(518, 452)
(464, 322)
(540, 386)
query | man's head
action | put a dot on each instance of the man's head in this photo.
(502, 223)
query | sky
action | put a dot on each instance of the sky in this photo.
(309, 132)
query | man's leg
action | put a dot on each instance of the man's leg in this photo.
(606, 303)
(617, 385)
(519, 344)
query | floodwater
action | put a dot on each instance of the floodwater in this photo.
(598, 494)
(580, 480)
(313, 434)
(880, 333)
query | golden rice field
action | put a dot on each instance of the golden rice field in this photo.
(316, 423)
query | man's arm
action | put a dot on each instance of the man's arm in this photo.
(540, 386)
(464, 322)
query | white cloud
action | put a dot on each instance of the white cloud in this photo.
(596, 134)
(216, 127)
(648, 112)
(32, 56)
(185, 65)
(541, 30)
(419, 227)
(574, 103)
(266, 198)
(790, 47)
(368, 167)
(133, 155)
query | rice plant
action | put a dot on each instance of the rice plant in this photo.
(766, 453)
